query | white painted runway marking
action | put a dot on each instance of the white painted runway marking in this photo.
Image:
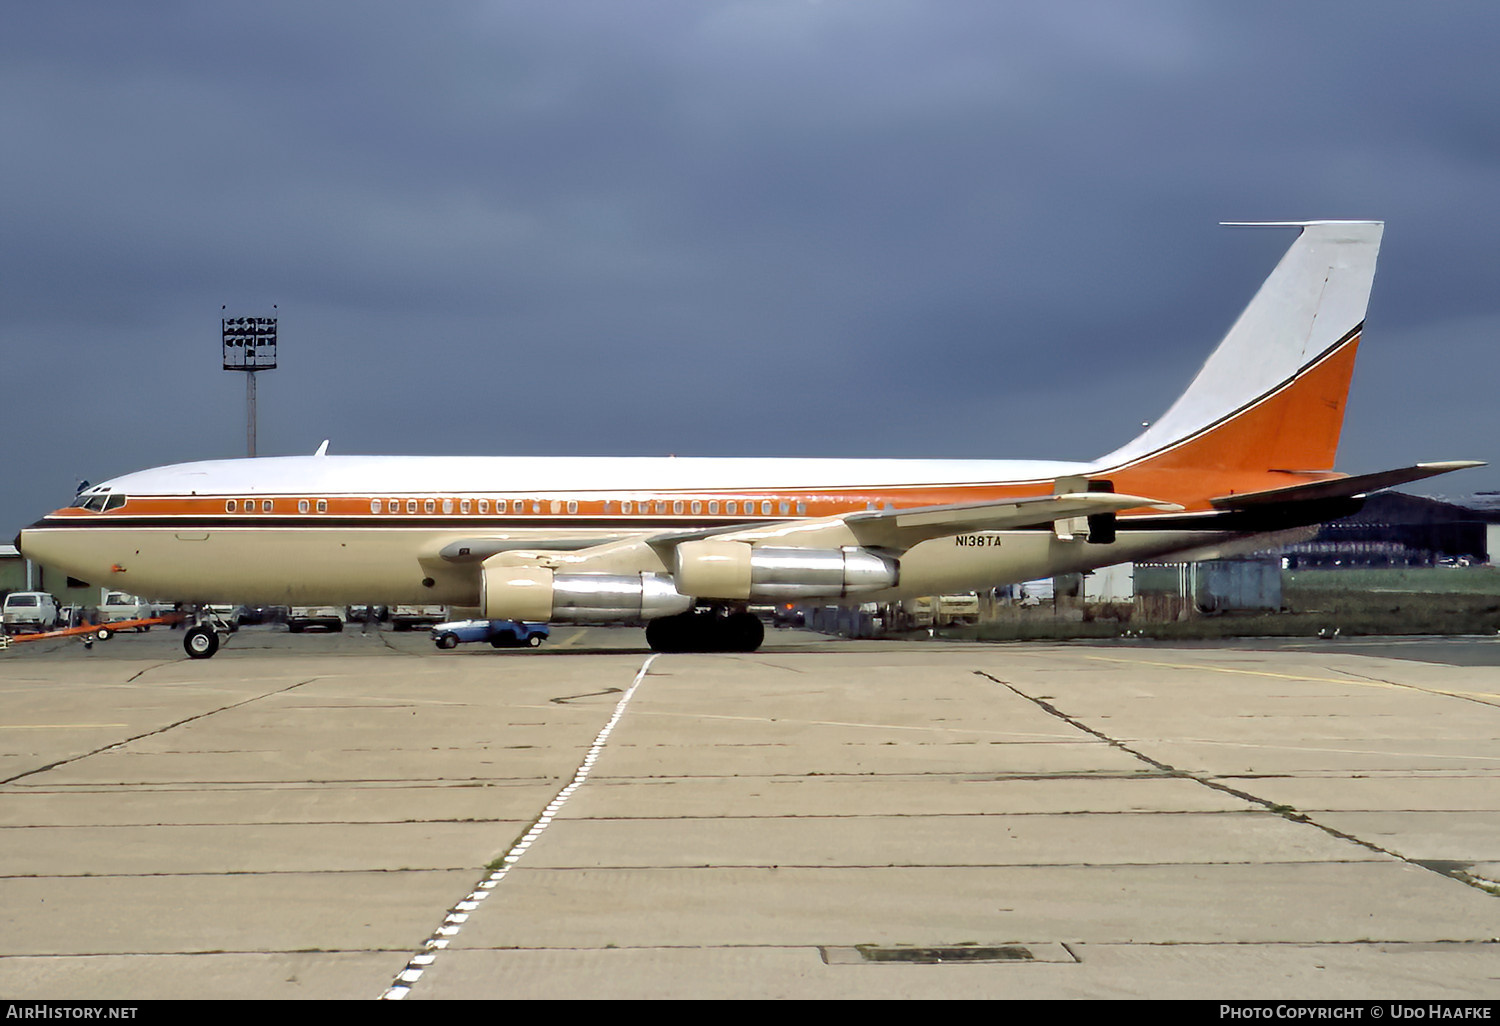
(459, 913)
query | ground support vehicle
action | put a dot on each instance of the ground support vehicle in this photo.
(91, 632)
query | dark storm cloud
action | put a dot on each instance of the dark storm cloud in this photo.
(854, 227)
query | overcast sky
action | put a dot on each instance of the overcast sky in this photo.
(956, 228)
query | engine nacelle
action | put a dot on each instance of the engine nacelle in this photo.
(735, 571)
(541, 595)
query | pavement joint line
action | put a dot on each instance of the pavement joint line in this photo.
(1483, 698)
(1285, 812)
(1359, 680)
(458, 914)
(924, 728)
(154, 731)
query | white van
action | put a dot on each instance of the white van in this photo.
(28, 612)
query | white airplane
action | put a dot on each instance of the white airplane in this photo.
(684, 546)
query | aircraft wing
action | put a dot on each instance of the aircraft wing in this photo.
(1340, 487)
(894, 530)
(899, 529)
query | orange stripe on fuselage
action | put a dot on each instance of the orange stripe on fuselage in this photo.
(1285, 438)
(1288, 437)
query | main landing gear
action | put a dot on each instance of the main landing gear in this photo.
(710, 631)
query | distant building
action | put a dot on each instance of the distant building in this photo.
(1395, 529)
(20, 574)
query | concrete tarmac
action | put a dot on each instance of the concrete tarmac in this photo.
(359, 816)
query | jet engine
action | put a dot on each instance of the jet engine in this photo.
(539, 594)
(735, 571)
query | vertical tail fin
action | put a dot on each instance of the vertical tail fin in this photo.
(1271, 396)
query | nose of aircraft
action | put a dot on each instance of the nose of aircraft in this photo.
(23, 543)
(29, 543)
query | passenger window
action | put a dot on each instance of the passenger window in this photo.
(411, 505)
(374, 505)
(731, 507)
(266, 505)
(572, 506)
(229, 506)
(765, 507)
(463, 505)
(447, 505)
(322, 505)
(302, 506)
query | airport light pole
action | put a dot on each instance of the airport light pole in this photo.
(249, 346)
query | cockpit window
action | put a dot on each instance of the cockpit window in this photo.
(99, 500)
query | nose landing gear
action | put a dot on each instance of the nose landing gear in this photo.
(202, 640)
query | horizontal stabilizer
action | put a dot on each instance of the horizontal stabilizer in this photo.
(1341, 487)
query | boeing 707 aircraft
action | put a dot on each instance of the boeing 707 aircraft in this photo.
(685, 546)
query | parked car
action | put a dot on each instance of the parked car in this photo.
(499, 633)
(261, 614)
(404, 618)
(28, 612)
(365, 613)
(330, 618)
(119, 606)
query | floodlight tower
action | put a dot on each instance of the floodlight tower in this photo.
(249, 346)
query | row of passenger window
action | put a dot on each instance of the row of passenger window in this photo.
(269, 506)
(731, 507)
